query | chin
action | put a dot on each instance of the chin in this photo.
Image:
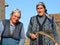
(14, 22)
(41, 14)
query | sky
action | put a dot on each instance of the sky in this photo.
(28, 9)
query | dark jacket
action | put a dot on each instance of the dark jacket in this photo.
(35, 27)
(16, 33)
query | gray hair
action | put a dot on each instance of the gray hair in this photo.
(15, 10)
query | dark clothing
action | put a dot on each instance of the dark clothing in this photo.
(12, 34)
(16, 33)
(41, 24)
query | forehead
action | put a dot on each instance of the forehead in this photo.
(40, 6)
(16, 14)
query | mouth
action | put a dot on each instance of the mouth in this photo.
(39, 11)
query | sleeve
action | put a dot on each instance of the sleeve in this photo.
(55, 31)
(29, 28)
(1, 27)
(22, 39)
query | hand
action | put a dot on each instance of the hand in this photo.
(33, 36)
(56, 44)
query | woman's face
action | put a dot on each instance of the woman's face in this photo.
(40, 10)
(15, 17)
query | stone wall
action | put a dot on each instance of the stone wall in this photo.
(57, 20)
(2, 9)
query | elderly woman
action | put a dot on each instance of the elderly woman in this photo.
(41, 22)
(13, 30)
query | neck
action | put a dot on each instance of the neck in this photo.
(41, 14)
(11, 23)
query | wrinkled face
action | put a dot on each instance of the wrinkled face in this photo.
(15, 17)
(40, 10)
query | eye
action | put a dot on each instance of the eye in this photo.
(40, 8)
(17, 16)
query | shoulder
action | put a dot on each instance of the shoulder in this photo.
(20, 23)
(49, 16)
(5, 20)
(33, 18)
